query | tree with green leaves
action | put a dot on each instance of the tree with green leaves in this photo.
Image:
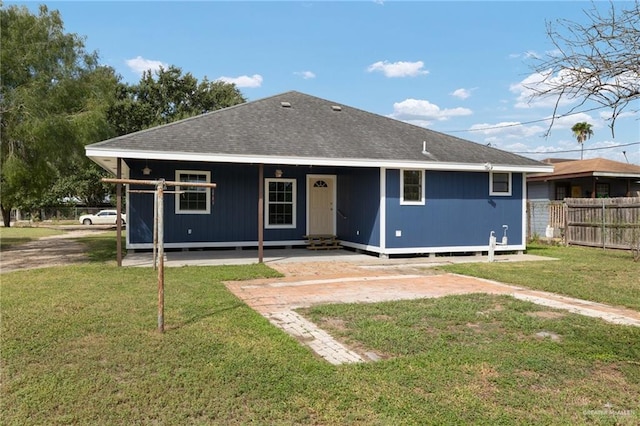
(582, 131)
(54, 98)
(166, 96)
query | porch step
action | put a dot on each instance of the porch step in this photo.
(321, 242)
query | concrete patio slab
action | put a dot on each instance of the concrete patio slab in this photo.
(302, 255)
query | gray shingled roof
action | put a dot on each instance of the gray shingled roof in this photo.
(309, 128)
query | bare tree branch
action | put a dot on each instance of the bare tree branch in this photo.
(598, 62)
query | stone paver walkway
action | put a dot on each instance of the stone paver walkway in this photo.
(277, 298)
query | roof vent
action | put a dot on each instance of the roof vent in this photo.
(285, 104)
(424, 148)
(336, 107)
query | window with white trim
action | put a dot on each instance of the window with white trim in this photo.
(193, 199)
(412, 187)
(500, 183)
(280, 203)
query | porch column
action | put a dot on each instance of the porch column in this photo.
(260, 213)
(119, 209)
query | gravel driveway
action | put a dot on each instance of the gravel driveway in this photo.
(55, 250)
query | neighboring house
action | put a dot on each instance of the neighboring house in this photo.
(380, 185)
(593, 178)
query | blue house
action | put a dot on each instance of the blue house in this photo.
(380, 185)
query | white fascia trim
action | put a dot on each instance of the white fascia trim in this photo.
(617, 175)
(374, 249)
(524, 210)
(383, 207)
(310, 161)
(229, 244)
(452, 249)
(365, 247)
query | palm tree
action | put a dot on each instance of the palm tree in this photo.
(582, 131)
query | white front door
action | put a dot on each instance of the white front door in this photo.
(321, 198)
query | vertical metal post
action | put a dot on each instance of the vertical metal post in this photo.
(155, 229)
(158, 228)
(119, 210)
(160, 196)
(260, 213)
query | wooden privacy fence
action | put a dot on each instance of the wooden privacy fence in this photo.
(556, 214)
(603, 222)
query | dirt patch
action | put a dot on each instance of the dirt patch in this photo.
(54, 250)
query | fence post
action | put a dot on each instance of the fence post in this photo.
(604, 226)
(565, 214)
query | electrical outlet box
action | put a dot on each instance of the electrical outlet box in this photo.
(398, 233)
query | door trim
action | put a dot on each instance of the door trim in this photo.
(334, 180)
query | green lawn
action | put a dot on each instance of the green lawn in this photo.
(80, 346)
(606, 276)
(483, 359)
(18, 235)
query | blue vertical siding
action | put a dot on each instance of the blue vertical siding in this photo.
(234, 211)
(233, 215)
(458, 211)
(358, 197)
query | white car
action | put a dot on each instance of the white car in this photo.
(103, 217)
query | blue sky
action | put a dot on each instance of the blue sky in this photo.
(454, 67)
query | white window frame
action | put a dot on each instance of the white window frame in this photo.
(404, 202)
(500, 193)
(207, 174)
(267, 204)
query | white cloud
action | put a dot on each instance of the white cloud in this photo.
(567, 122)
(576, 84)
(243, 80)
(399, 69)
(461, 93)
(423, 112)
(506, 130)
(140, 64)
(527, 90)
(305, 74)
(607, 115)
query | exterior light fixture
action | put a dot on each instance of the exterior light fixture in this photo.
(278, 173)
(146, 171)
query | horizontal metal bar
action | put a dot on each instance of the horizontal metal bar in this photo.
(142, 191)
(157, 182)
